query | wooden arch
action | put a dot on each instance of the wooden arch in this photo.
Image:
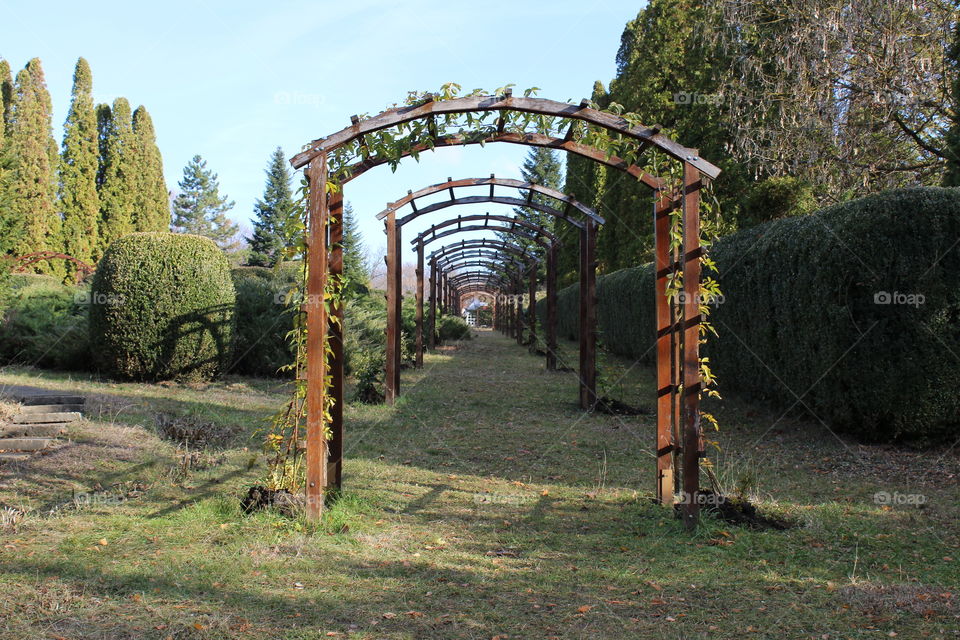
(568, 202)
(678, 325)
(431, 233)
(496, 250)
(492, 244)
(442, 295)
(501, 255)
(430, 108)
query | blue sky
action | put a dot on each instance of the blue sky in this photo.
(232, 80)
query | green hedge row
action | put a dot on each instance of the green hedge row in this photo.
(851, 314)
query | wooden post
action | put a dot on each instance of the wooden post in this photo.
(588, 315)
(441, 288)
(532, 310)
(518, 326)
(552, 308)
(335, 455)
(692, 443)
(432, 335)
(397, 312)
(316, 453)
(393, 320)
(419, 313)
(665, 419)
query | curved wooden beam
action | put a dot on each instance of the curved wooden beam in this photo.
(493, 256)
(478, 243)
(481, 227)
(507, 200)
(502, 283)
(491, 182)
(511, 267)
(486, 217)
(525, 139)
(645, 136)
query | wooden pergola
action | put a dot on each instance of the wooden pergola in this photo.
(678, 323)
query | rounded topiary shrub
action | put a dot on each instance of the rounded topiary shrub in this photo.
(162, 307)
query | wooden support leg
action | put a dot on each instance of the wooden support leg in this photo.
(665, 426)
(316, 453)
(393, 319)
(419, 313)
(335, 456)
(532, 308)
(432, 335)
(398, 306)
(552, 308)
(588, 316)
(692, 445)
(518, 326)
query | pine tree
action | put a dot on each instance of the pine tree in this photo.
(34, 182)
(151, 211)
(118, 186)
(79, 201)
(541, 167)
(355, 273)
(199, 208)
(273, 230)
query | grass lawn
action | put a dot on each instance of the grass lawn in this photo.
(483, 505)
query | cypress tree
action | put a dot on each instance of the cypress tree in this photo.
(79, 201)
(276, 215)
(10, 223)
(104, 117)
(355, 273)
(151, 210)
(199, 208)
(118, 174)
(34, 181)
(6, 97)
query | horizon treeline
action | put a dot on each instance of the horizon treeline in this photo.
(104, 179)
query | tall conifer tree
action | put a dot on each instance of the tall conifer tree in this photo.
(10, 223)
(118, 174)
(541, 167)
(199, 208)
(6, 97)
(273, 230)
(151, 211)
(79, 201)
(355, 273)
(34, 182)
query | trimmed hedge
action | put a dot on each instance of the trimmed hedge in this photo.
(854, 309)
(162, 307)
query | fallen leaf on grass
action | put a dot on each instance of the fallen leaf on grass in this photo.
(584, 608)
